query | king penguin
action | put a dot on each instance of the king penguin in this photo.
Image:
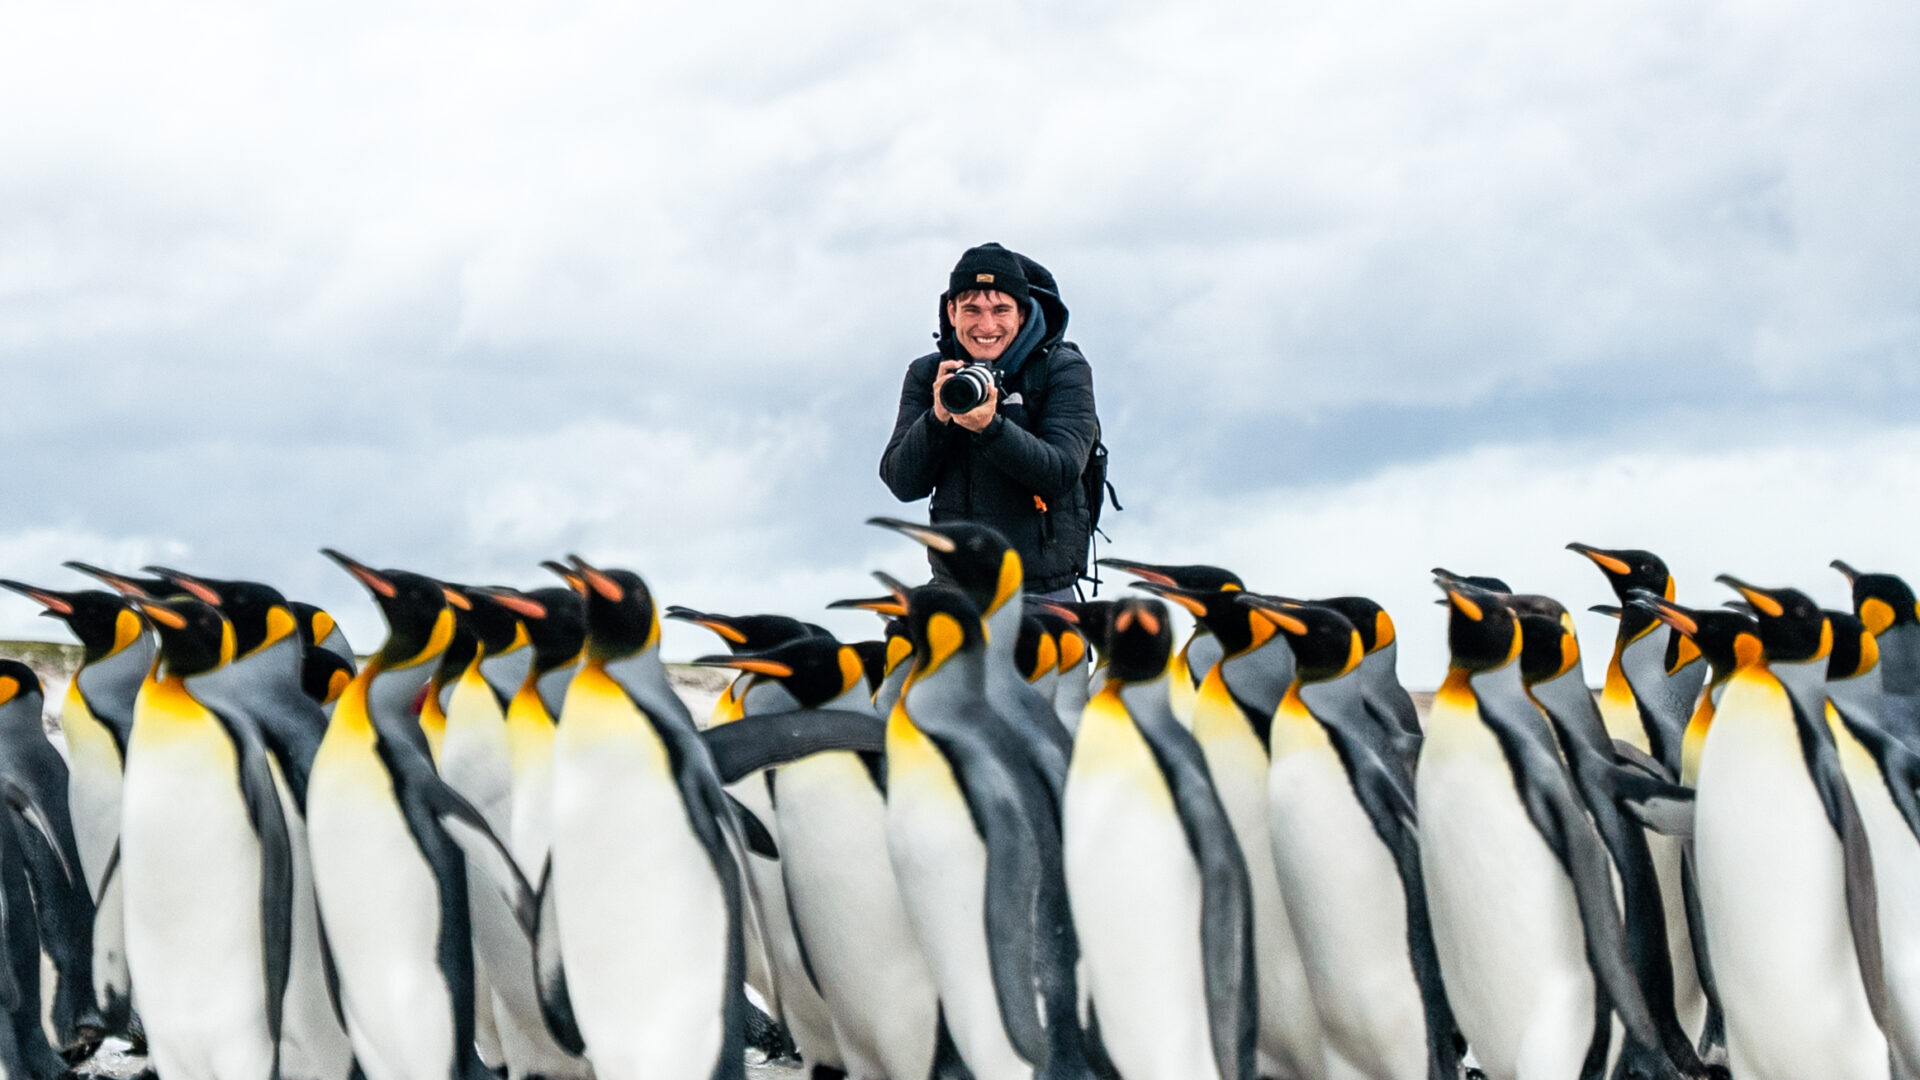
(643, 873)
(387, 838)
(1653, 680)
(1785, 874)
(38, 783)
(1232, 716)
(1159, 889)
(857, 945)
(1347, 855)
(775, 966)
(1518, 884)
(971, 834)
(476, 761)
(1885, 777)
(46, 908)
(96, 717)
(205, 865)
(261, 687)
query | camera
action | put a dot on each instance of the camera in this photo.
(967, 388)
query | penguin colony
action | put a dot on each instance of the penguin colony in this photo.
(1010, 839)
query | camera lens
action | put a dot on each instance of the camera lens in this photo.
(965, 389)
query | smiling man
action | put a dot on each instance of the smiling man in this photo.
(1014, 460)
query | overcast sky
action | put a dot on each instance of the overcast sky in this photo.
(1367, 288)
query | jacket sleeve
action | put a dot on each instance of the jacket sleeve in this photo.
(1049, 459)
(911, 463)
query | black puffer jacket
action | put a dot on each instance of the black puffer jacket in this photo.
(1022, 474)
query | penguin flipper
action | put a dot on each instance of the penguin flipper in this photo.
(1663, 807)
(470, 832)
(550, 975)
(1546, 790)
(29, 810)
(753, 831)
(1226, 897)
(1014, 871)
(329, 971)
(276, 872)
(1822, 757)
(757, 742)
(112, 982)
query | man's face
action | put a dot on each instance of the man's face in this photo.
(985, 323)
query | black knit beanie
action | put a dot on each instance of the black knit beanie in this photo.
(990, 267)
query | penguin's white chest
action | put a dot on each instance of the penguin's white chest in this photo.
(1135, 892)
(635, 893)
(380, 903)
(1773, 896)
(191, 866)
(1505, 924)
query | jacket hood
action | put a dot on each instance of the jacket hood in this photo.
(1043, 292)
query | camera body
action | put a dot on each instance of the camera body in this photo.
(966, 389)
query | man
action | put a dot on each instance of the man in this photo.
(1014, 462)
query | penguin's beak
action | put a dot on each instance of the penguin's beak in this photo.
(1276, 610)
(1457, 595)
(372, 579)
(924, 534)
(1852, 575)
(1146, 572)
(566, 574)
(163, 615)
(1172, 593)
(894, 585)
(758, 665)
(1667, 611)
(55, 603)
(119, 583)
(880, 605)
(1763, 602)
(718, 624)
(524, 606)
(1604, 559)
(608, 588)
(193, 586)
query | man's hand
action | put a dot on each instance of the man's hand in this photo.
(947, 367)
(981, 415)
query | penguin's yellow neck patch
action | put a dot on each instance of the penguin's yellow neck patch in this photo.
(1109, 749)
(9, 686)
(1685, 652)
(127, 628)
(1877, 614)
(1383, 631)
(1618, 709)
(730, 706)
(1295, 731)
(1011, 577)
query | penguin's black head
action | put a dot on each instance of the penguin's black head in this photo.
(1093, 617)
(941, 621)
(1325, 643)
(747, 633)
(494, 624)
(1881, 600)
(1036, 652)
(324, 674)
(975, 558)
(899, 642)
(127, 584)
(1482, 631)
(1548, 646)
(555, 620)
(104, 622)
(1231, 623)
(1628, 569)
(814, 669)
(19, 683)
(1728, 639)
(1140, 643)
(1370, 619)
(1855, 652)
(260, 615)
(873, 662)
(194, 637)
(1793, 629)
(621, 617)
(1196, 577)
(420, 620)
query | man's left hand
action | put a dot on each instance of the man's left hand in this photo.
(977, 419)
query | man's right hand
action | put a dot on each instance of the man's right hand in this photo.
(947, 368)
